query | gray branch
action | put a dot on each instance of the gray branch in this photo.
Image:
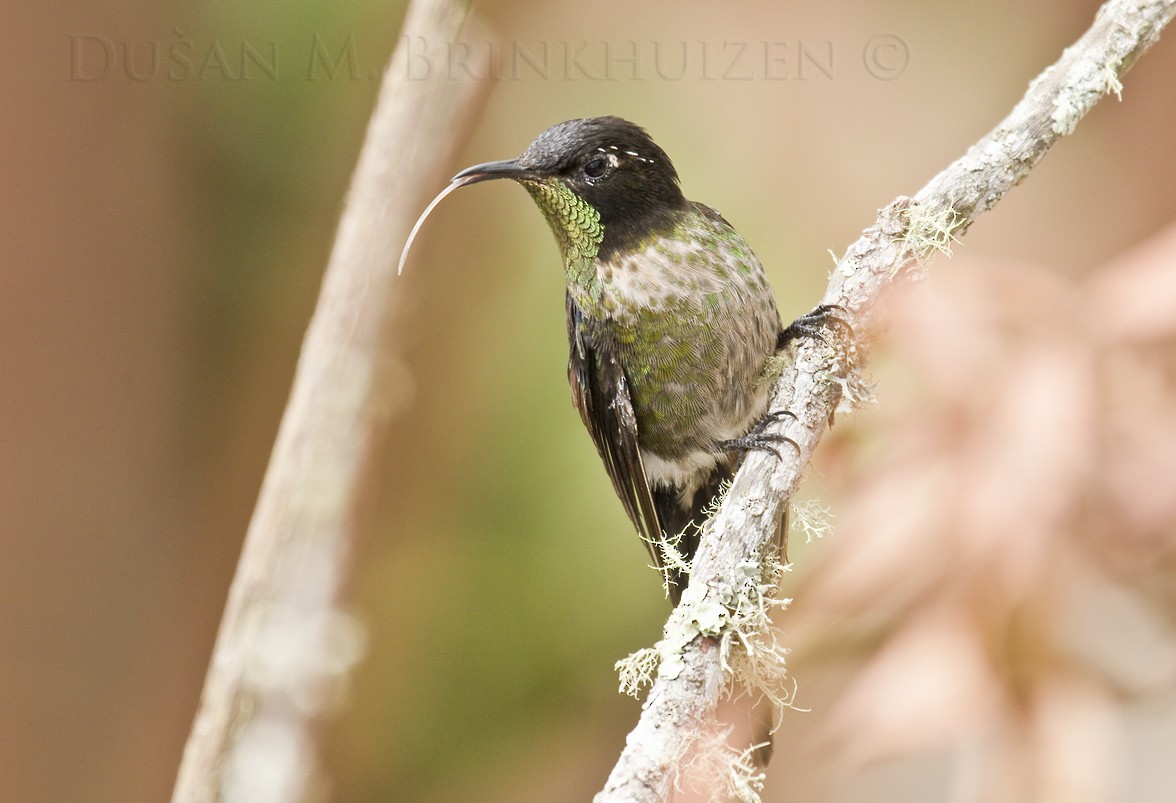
(284, 644)
(683, 698)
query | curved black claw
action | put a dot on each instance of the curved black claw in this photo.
(759, 439)
(812, 324)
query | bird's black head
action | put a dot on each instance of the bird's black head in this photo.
(606, 163)
(609, 162)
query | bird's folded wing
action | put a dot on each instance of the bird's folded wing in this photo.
(600, 392)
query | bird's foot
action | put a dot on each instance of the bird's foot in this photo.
(759, 439)
(812, 324)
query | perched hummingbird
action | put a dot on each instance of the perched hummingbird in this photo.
(670, 319)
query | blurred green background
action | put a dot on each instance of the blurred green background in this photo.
(170, 178)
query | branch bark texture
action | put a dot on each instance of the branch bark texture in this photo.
(283, 644)
(692, 675)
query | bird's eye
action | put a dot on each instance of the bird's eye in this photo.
(597, 168)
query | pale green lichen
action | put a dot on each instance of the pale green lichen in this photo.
(1110, 82)
(637, 669)
(751, 651)
(723, 771)
(673, 560)
(930, 230)
(744, 777)
(812, 519)
(737, 611)
(716, 501)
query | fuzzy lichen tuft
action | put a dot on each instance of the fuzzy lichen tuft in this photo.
(744, 777)
(716, 501)
(673, 560)
(751, 650)
(637, 670)
(812, 519)
(930, 230)
(737, 611)
(714, 766)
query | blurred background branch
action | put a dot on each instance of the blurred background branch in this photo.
(285, 644)
(682, 701)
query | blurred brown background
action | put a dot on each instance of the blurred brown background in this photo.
(170, 177)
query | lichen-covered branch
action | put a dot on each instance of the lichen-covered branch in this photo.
(691, 672)
(284, 643)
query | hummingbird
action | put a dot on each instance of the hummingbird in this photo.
(671, 322)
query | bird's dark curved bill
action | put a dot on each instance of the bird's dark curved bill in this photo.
(507, 168)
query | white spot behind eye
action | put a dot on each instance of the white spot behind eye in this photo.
(613, 160)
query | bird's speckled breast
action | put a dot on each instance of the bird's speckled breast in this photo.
(695, 322)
